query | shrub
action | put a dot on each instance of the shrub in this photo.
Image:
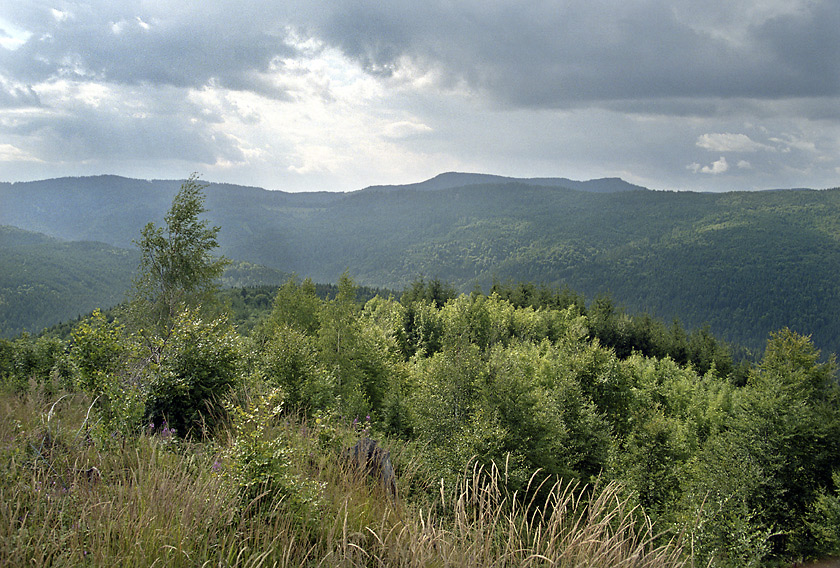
(260, 462)
(199, 365)
(103, 359)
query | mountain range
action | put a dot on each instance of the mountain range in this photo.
(746, 263)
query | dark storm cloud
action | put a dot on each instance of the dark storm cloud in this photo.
(805, 50)
(561, 53)
(532, 54)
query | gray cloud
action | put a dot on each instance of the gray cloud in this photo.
(16, 96)
(554, 54)
(546, 54)
(313, 93)
(118, 42)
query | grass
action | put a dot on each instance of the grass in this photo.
(155, 501)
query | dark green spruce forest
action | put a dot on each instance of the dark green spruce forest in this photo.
(513, 420)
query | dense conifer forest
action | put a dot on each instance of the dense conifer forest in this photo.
(516, 426)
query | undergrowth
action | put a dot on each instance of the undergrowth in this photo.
(70, 499)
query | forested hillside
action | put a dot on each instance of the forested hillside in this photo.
(747, 263)
(514, 428)
(44, 281)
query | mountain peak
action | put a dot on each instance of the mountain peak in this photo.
(452, 180)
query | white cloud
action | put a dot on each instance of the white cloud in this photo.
(59, 15)
(789, 142)
(744, 165)
(716, 167)
(728, 142)
(9, 153)
(405, 129)
(11, 36)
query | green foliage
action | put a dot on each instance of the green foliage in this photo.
(628, 334)
(260, 462)
(546, 417)
(444, 399)
(651, 462)
(435, 292)
(189, 354)
(288, 359)
(785, 434)
(99, 348)
(421, 330)
(106, 367)
(296, 305)
(199, 365)
(719, 508)
(33, 361)
(177, 270)
(355, 354)
(823, 521)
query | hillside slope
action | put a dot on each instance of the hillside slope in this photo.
(44, 281)
(746, 262)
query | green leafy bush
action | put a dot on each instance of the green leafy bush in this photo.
(260, 462)
(199, 365)
(289, 359)
(107, 367)
(823, 521)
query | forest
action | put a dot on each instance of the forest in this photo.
(516, 427)
(745, 263)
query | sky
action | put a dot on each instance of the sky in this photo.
(337, 95)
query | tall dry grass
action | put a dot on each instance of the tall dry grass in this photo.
(149, 501)
(484, 526)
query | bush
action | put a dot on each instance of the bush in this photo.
(289, 360)
(824, 521)
(104, 361)
(260, 459)
(200, 363)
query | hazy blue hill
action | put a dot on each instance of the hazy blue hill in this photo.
(113, 209)
(44, 281)
(451, 180)
(746, 262)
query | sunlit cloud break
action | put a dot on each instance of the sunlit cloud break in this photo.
(306, 95)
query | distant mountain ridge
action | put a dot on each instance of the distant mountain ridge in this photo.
(452, 180)
(747, 263)
(114, 209)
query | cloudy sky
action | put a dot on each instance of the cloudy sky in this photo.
(297, 95)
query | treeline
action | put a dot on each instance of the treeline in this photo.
(612, 325)
(635, 333)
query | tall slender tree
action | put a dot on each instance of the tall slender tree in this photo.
(177, 269)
